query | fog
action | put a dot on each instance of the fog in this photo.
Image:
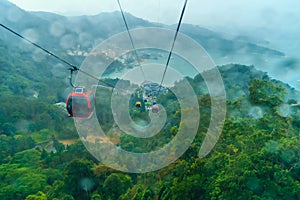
(270, 23)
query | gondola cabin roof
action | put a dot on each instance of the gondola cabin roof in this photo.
(138, 104)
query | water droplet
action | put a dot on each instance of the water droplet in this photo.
(253, 183)
(22, 126)
(288, 156)
(272, 146)
(284, 110)
(14, 14)
(67, 41)
(57, 29)
(31, 35)
(58, 71)
(256, 112)
(38, 55)
(86, 184)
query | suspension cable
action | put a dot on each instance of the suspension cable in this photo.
(131, 40)
(72, 67)
(40, 47)
(173, 44)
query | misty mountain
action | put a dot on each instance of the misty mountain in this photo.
(52, 29)
(69, 35)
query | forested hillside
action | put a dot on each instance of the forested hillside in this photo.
(256, 156)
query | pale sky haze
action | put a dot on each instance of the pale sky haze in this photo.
(205, 12)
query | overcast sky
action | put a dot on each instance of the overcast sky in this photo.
(205, 12)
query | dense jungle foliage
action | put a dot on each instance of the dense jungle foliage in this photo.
(256, 156)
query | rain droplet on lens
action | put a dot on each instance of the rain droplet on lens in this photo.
(272, 146)
(256, 112)
(284, 110)
(57, 29)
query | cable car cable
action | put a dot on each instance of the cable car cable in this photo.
(73, 67)
(173, 44)
(40, 47)
(131, 40)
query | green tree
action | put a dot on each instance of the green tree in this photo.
(138, 192)
(96, 196)
(78, 178)
(39, 196)
(27, 158)
(29, 183)
(265, 92)
(116, 184)
(57, 190)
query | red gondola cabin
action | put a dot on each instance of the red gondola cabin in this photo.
(80, 103)
(155, 108)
